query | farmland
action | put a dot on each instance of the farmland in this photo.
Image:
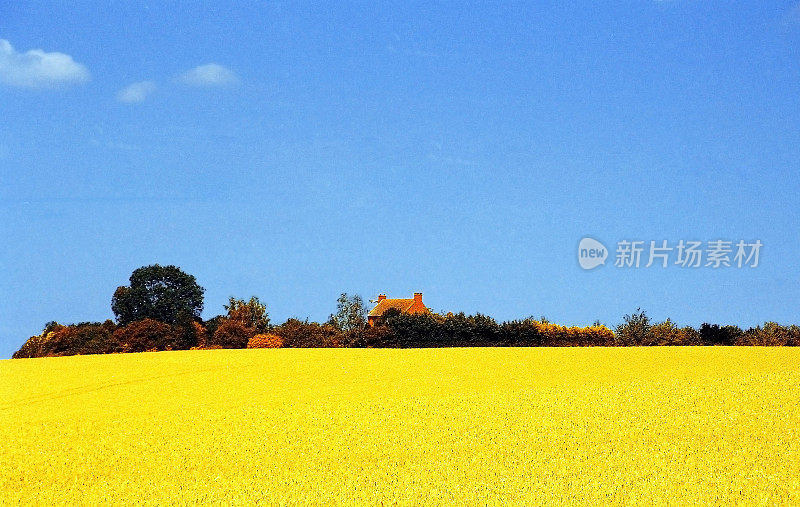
(354, 426)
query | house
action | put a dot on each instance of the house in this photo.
(413, 305)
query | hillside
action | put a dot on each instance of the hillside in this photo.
(362, 426)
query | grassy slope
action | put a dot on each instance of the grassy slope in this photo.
(437, 425)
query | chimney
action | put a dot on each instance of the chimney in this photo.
(381, 297)
(418, 297)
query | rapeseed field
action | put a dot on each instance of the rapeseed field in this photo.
(476, 426)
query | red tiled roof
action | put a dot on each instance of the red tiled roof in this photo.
(401, 304)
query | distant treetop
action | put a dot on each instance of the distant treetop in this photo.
(162, 293)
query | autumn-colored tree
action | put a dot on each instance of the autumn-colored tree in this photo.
(665, 333)
(690, 336)
(83, 338)
(148, 335)
(252, 314)
(231, 334)
(200, 335)
(771, 334)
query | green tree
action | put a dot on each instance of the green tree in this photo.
(350, 313)
(162, 293)
(635, 329)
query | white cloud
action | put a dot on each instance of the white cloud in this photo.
(37, 69)
(209, 75)
(136, 92)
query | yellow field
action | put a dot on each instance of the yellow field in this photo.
(439, 426)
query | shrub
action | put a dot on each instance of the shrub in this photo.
(459, 330)
(794, 336)
(554, 335)
(82, 338)
(265, 341)
(370, 337)
(304, 334)
(231, 334)
(52, 326)
(597, 335)
(690, 336)
(418, 329)
(520, 333)
(35, 346)
(195, 336)
(32, 347)
(770, 335)
(149, 334)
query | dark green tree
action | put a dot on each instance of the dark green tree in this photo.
(162, 293)
(714, 334)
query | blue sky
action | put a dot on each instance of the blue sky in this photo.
(297, 150)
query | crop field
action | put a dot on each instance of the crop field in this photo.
(423, 426)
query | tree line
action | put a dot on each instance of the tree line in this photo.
(160, 310)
